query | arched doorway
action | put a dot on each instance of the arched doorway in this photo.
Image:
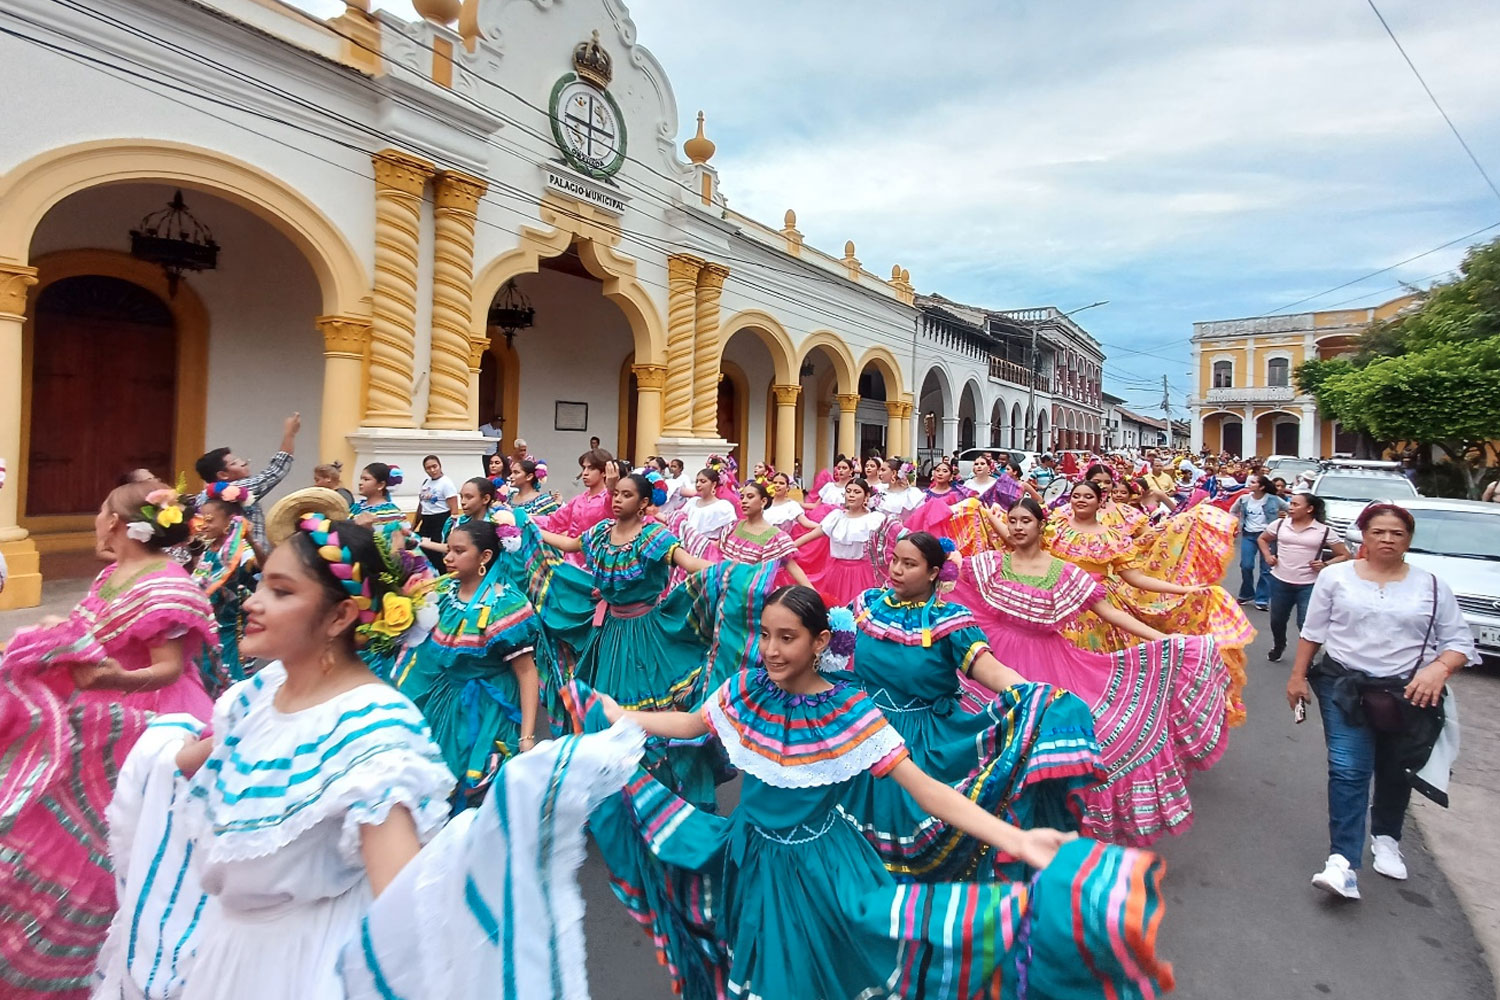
(1017, 428)
(935, 406)
(997, 424)
(968, 416)
(103, 347)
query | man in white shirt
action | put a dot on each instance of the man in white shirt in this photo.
(493, 429)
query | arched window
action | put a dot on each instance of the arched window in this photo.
(1223, 374)
(1278, 372)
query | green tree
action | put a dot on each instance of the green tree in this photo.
(1430, 375)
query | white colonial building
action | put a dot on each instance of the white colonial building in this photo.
(216, 212)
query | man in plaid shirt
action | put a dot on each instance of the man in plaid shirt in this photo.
(223, 464)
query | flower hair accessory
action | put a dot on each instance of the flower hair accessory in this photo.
(658, 488)
(162, 511)
(229, 493)
(841, 645)
(906, 470)
(396, 477)
(541, 471)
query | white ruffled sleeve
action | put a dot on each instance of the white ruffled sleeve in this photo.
(395, 778)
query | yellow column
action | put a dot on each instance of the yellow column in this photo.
(848, 404)
(346, 342)
(477, 349)
(895, 424)
(23, 588)
(706, 351)
(682, 290)
(400, 179)
(452, 381)
(786, 426)
(650, 380)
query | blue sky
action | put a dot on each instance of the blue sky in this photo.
(1184, 160)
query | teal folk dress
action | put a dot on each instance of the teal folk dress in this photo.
(1025, 757)
(461, 678)
(784, 898)
(638, 654)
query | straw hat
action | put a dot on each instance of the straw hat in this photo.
(289, 511)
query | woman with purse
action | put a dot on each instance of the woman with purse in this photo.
(1391, 635)
(1302, 539)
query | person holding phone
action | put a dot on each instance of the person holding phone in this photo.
(1302, 539)
(1390, 634)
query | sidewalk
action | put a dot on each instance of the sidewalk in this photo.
(1462, 837)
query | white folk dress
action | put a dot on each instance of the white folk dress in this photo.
(270, 828)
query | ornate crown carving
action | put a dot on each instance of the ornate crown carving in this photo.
(592, 63)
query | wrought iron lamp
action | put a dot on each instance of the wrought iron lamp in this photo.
(174, 238)
(511, 312)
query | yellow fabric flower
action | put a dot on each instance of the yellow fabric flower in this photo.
(396, 614)
(168, 516)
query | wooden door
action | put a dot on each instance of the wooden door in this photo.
(729, 421)
(103, 392)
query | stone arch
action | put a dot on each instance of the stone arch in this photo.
(889, 368)
(784, 358)
(838, 352)
(615, 271)
(32, 188)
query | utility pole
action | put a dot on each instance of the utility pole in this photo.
(1166, 409)
(1031, 442)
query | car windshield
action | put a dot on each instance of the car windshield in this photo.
(1349, 487)
(1292, 467)
(1469, 534)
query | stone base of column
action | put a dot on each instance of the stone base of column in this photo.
(23, 582)
(461, 452)
(693, 451)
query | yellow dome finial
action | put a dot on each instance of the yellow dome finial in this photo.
(791, 219)
(699, 149)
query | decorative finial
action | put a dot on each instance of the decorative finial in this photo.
(848, 249)
(699, 148)
(895, 272)
(437, 11)
(363, 6)
(791, 219)
(906, 275)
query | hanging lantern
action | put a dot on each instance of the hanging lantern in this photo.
(511, 312)
(174, 238)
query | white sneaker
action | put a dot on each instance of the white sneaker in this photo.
(1388, 862)
(1337, 878)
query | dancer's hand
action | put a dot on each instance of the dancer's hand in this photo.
(1038, 847)
(612, 710)
(87, 676)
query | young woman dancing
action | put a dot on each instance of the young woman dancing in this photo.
(784, 898)
(1158, 706)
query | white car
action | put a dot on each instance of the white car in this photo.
(1347, 488)
(1026, 459)
(1458, 541)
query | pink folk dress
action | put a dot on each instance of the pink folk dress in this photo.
(62, 749)
(1158, 707)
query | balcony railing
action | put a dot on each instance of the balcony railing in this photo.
(1252, 394)
(1016, 374)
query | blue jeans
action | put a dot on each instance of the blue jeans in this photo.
(1355, 755)
(1285, 596)
(1252, 589)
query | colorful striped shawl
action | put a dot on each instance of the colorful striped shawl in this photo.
(801, 741)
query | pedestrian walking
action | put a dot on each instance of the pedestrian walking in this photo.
(1302, 541)
(1390, 635)
(1256, 509)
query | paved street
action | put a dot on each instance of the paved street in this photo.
(1243, 921)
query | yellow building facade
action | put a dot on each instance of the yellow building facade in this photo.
(1245, 400)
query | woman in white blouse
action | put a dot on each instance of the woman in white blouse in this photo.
(708, 515)
(851, 529)
(782, 510)
(901, 497)
(832, 492)
(1391, 635)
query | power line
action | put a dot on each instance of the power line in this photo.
(1433, 98)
